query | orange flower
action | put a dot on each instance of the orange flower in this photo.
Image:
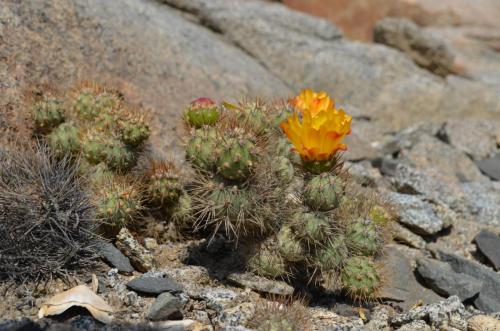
(318, 132)
(312, 102)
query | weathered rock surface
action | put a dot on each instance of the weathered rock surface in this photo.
(261, 284)
(140, 257)
(425, 49)
(166, 306)
(154, 285)
(443, 280)
(483, 323)
(483, 202)
(488, 299)
(113, 255)
(450, 312)
(488, 243)
(490, 167)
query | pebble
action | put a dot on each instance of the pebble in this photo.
(154, 285)
(114, 257)
(166, 306)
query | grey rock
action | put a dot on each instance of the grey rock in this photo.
(488, 299)
(490, 167)
(417, 213)
(488, 243)
(261, 284)
(424, 48)
(140, 257)
(154, 285)
(218, 298)
(401, 286)
(397, 91)
(238, 315)
(201, 316)
(114, 257)
(166, 306)
(473, 137)
(443, 280)
(483, 202)
(365, 174)
(417, 325)
(379, 320)
(450, 312)
(405, 236)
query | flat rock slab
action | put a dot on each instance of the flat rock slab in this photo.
(490, 167)
(154, 285)
(166, 306)
(114, 257)
(440, 277)
(401, 285)
(488, 299)
(261, 284)
(488, 243)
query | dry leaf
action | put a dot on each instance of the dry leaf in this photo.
(80, 296)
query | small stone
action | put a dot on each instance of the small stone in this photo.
(154, 285)
(444, 281)
(488, 299)
(131, 298)
(166, 306)
(484, 202)
(405, 236)
(141, 258)
(379, 320)
(260, 284)
(490, 167)
(436, 314)
(150, 243)
(417, 214)
(114, 257)
(418, 325)
(201, 316)
(488, 243)
(238, 315)
(218, 298)
(483, 323)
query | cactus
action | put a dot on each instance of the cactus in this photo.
(64, 140)
(363, 238)
(118, 156)
(47, 114)
(280, 315)
(181, 212)
(380, 215)
(88, 104)
(201, 112)
(163, 183)
(236, 158)
(253, 116)
(360, 278)
(289, 245)
(134, 130)
(118, 202)
(283, 168)
(323, 192)
(310, 228)
(333, 255)
(323, 166)
(268, 263)
(200, 148)
(94, 144)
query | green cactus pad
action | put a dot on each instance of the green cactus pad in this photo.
(201, 112)
(118, 204)
(380, 215)
(360, 278)
(289, 246)
(94, 144)
(181, 212)
(134, 131)
(284, 169)
(89, 105)
(163, 183)
(362, 237)
(47, 114)
(64, 139)
(323, 192)
(253, 116)
(333, 255)
(200, 150)
(268, 264)
(119, 156)
(236, 159)
(311, 228)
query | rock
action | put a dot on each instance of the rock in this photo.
(141, 258)
(238, 315)
(154, 285)
(488, 299)
(490, 167)
(418, 325)
(261, 284)
(488, 243)
(417, 214)
(443, 280)
(64, 40)
(397, 91)
(473, 137)
(401, 285)
(359, 148)
(450, 312)
(365, 174)
(483, 202)
(483, 323)
(379, 320)
(114, 257)
(405, 236)
(218, 298)
(166, 306)
(424, 48)
(150, 244)
(201, 316)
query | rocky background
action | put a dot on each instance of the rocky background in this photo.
(423, 85)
